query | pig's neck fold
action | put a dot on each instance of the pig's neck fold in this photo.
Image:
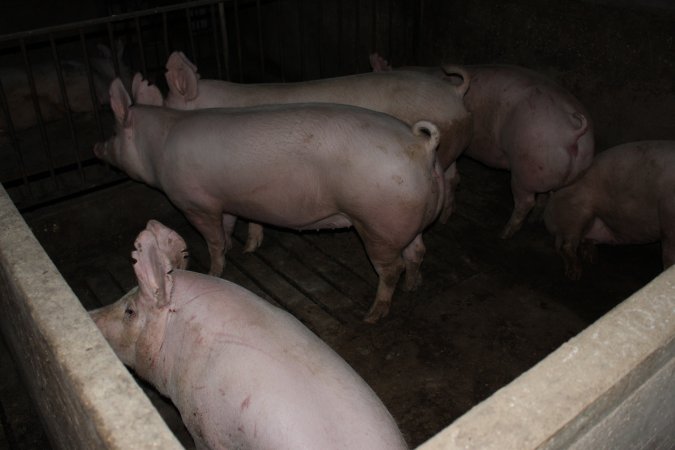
(152, 354)
(151, 128)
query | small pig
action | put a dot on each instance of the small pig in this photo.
(522, 122)
(20, 101)
(409, 97)
(243, 373)
(303, 166)
(625, 197)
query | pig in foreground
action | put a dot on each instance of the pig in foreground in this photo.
(306, 167)
(410, 97)
(625, 197)
(522, 122)
(17, 89)
(243, 373)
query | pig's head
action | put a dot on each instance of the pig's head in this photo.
(135, 325)
(182, 77)
(121, 150)
(103, 69)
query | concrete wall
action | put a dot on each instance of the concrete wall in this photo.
(610, 387)
(86, 398)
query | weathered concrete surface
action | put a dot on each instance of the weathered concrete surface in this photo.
(612, 386)
(86, 397)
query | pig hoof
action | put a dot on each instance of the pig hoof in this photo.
(412, 284)
(573, 274)
(252, 245)
(377, 311)
(445, 215)
(507, 233)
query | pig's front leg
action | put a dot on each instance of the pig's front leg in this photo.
(413, 255)
(451, 180)
(254, 238)
(216, 228)
(568, 248)
(523, 202)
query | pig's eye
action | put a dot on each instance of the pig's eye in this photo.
(129, 313)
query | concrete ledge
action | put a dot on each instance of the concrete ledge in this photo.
(612, 386)
(86, 398)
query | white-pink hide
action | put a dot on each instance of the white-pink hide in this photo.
(300, 166)
(243, 373)
(523, 122)
(410, 97)
(625, 197)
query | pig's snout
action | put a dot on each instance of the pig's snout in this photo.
(100, 149)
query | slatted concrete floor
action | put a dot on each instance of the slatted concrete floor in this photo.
(488, 309)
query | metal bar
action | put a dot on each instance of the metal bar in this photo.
(223, 31)
(165, 33)
(417, 34)
(192, 39)
(373, 45)
(300, 43)
(280, 46)
(38, 112)
(238, 36)
(390, 47)
(113, 49)
(219, 69)
(92, 88)
(141, 47)
(66, 106)
(111, 19)
(320, 41)
(339, 36)
(357, 33)
(14, 140)
(260, 40)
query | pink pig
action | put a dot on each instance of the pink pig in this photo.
(625, 197)
(522, 122)
(242, 373)
(304, 166)
(409, 97)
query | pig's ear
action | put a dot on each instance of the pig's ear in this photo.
(181, 76)
(153, 270)
(378, 63)
(143, 93)
(119, 101)
(170, 243)
(452, 73)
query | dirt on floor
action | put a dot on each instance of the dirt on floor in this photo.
(488, 309)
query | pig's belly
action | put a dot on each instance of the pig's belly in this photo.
(600, 232)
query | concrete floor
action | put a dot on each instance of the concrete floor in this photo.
(488, 309)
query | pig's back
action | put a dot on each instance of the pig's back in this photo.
(408, 96)
(630, 184)
(303, 160)
(278, 386)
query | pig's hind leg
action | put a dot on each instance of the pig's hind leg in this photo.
(388, 263)
(523, 202)
(413, 255)
(451, 180)
(254, 238)
(216, 228)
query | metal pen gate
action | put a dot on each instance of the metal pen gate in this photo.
(52, 95)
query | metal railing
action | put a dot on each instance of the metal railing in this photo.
(46, 138)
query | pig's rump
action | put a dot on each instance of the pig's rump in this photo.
(297, 166)
(631, 188)
(253, 375)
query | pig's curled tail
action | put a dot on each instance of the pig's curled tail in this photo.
(424, 127)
